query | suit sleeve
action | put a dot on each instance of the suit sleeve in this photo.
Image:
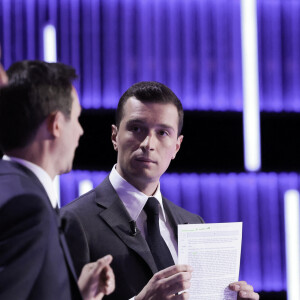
(23, 230)
(76, 240)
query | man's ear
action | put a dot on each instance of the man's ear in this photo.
(54, 123)
(114, 133)
(178, 144)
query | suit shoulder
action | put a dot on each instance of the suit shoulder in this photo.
(77, 203)
(17, 185)
(88, 199)
(183, 213)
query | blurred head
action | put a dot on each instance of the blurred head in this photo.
(147, 133)
(37, 92)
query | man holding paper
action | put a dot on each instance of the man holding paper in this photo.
(126, 215)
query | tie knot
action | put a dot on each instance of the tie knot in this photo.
(151, 206)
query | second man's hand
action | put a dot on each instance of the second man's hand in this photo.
(97, 279)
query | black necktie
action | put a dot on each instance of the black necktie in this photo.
(157, 245)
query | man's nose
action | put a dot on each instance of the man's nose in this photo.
(149, 141)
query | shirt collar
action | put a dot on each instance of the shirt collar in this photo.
(41, 174)
(133, 199)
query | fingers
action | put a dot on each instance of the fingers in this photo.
(182, 296)
(245, 291)
(106, 275)
(167, 283)
(97, 266)
(102, 262)
(173, 270)
(177, 283)
(110, 282)
(97, 279)
(107, 278)
(241, 285)
(173, 280)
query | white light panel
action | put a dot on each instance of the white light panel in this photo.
(292, 224)
(85, 186)
(251, 117)
(49, 34)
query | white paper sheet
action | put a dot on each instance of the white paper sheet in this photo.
(213, 250)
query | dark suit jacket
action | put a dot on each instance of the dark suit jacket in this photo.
(34, 259)
(97, 224)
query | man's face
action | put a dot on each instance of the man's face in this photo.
(146, 141)
(71, 132)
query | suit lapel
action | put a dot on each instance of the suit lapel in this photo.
(64, 246)
(174, 218)
(117, 217)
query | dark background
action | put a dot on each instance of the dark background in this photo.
(214, 144)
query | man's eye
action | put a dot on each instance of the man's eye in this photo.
(163, 132)
(135, 129)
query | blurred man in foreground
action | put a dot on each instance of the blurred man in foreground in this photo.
(39, 132)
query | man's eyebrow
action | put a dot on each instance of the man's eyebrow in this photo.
(142, 122)
(165, 126)
(135, 121)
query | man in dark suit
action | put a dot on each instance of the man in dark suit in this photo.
(117, 217)
(39, 132)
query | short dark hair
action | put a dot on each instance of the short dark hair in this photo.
(35, 90)
(150, 91)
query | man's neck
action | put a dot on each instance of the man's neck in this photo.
(145, 186)
(35, 156)
(148, 188)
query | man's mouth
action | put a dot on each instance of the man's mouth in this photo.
(145, 159)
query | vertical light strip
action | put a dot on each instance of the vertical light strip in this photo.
(292, 224)
(85, 186)
(49, 35)
(251, 117)
(57, 189)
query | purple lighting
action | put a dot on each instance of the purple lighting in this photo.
(192, 46)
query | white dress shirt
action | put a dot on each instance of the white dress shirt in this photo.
(134, 201)
(41, 174)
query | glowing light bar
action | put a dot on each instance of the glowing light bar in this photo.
(85, 186)
(57, 189)
(251, 117)
(49, 34)
(292, 224)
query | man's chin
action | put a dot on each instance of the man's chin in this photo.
(145, 174)
(66, 170)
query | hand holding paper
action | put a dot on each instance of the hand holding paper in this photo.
(244, 290)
